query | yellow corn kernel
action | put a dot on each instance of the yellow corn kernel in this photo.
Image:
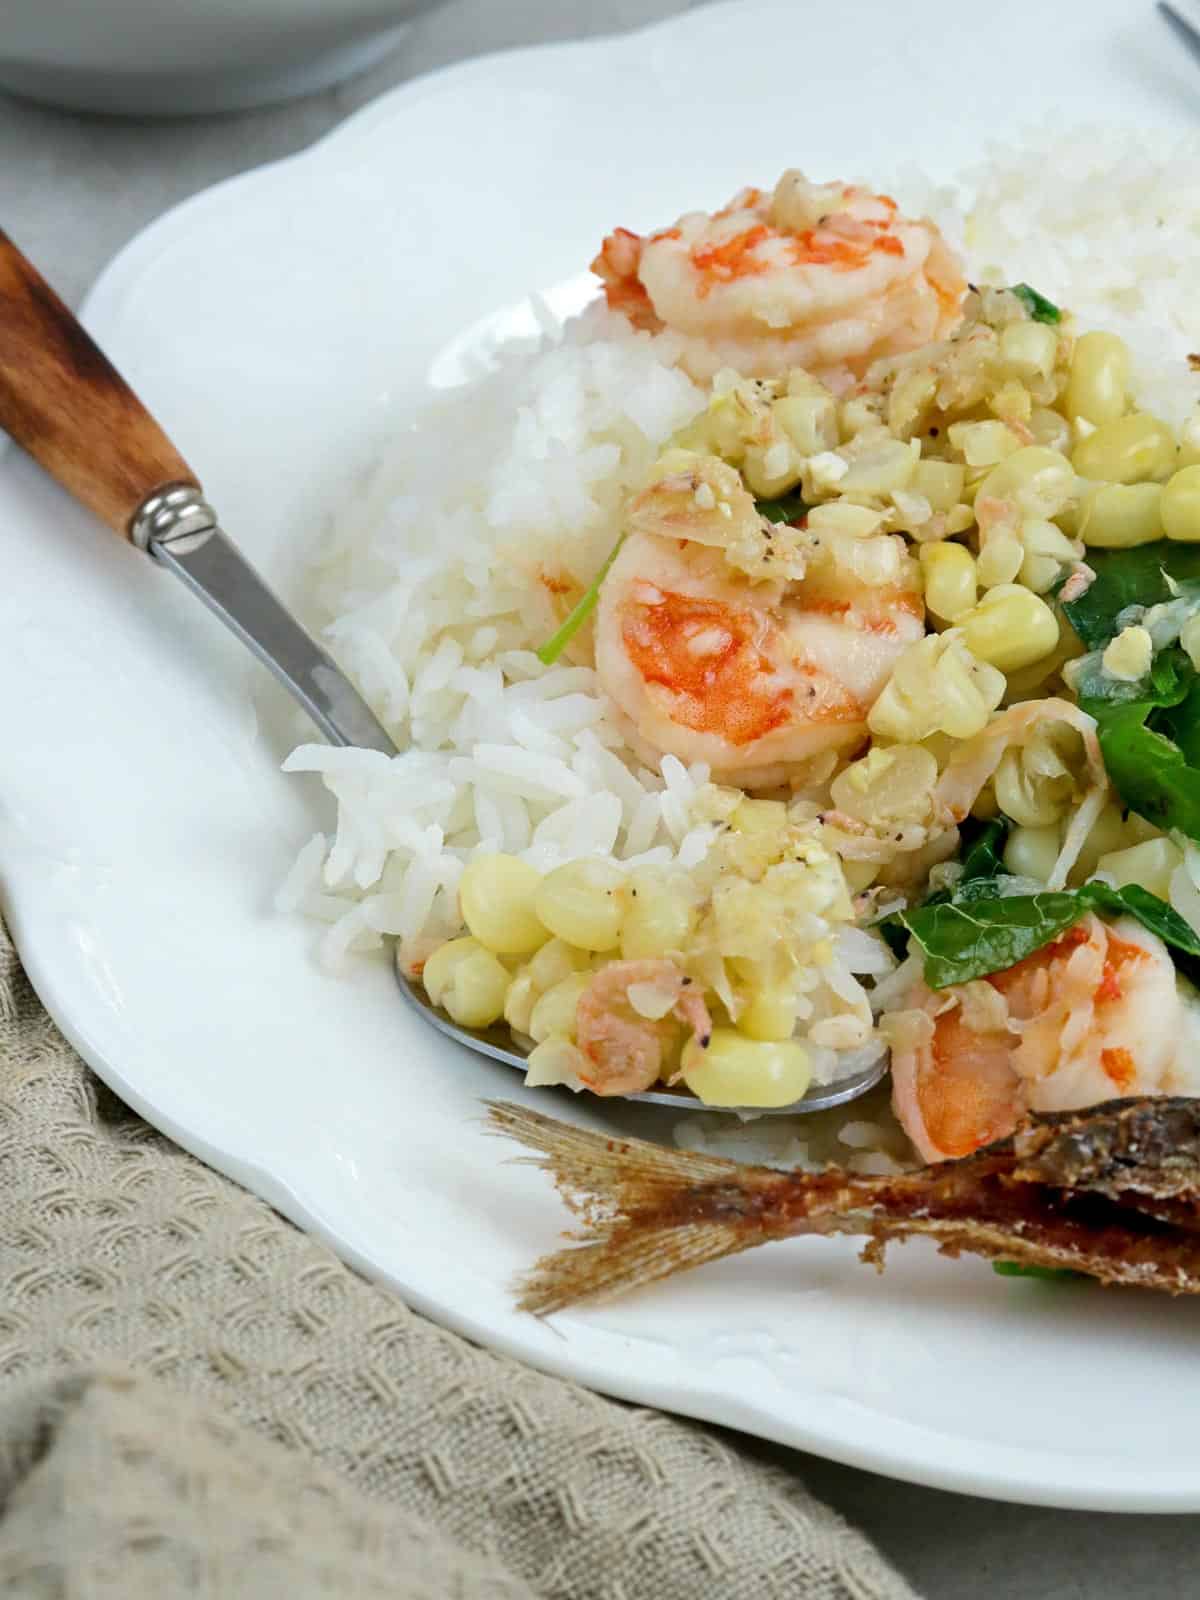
(1149, 865)
(467, 981)
(909, 402)
(769, 1014)
(583, 902)
(858, 414)
(941, 482)
(1107, 835)
(885, 466)
(1009, 628)
(843, 517)
(1133, 449)
(1011, 402)
(983, 444)
(1129, 655)
(1136, 830)
(435, 974)
(1189, 442)
(1117, 516)
(1180, 505)
(1001, 556)
(950, 579)
(958, 519)
(1031, 799)
(887, 786)
(1032, 852)
(808, 420)
(555, 961)
(937, 686)
(660, 915)
(985, 807)
(772, 469)
(520, 1000)
(759, 816)
(1050, 429)
(859, 875)
(1039, 481)
(1047, 550)
(554, 1061)
(1028, 349)
(1096, 388)
(554, 1014)
(495, 895)
(736, 1071)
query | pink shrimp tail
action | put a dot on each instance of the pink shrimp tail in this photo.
(693, 1013)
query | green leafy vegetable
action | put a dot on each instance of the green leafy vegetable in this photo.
(1153, 913)
(1137, 577)
(1149, 770)
(1149, 730)
(549, 653)
(1039, 308)
(967, 938)
(788, 508)
(1166, 685)
(979, 931)
(984, 854)
(1149, 735)
(1017, 1269)
(982, 860)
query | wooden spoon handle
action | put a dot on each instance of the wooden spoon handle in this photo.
(63, 401)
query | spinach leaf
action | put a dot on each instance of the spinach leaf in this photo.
(1136, 577)
(972, 936)
(984, 854)
(1154, 914)
(788, 508)
(1167, 684)
(1039, 308)
(1149, 735)
(1149, 730)
(982, 861)
(1149, 769)
(1181, 723)
(978, 931)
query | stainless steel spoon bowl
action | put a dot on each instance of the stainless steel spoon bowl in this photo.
(65, 403)
(499, 1044)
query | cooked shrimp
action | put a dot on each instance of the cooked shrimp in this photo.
(826, 277)
(748, 677)
(1098, 1013)
(628, 1019)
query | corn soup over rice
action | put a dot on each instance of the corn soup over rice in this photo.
(795, 658)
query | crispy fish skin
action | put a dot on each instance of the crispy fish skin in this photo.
(1145, 1146)
(1104, 1192)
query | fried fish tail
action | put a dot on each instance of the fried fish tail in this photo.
(648, 1212)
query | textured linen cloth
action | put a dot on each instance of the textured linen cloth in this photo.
(197, 1399)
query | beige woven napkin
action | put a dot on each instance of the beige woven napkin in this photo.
(196, 1399)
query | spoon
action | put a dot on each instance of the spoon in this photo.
(498, 1043)
(64, 402)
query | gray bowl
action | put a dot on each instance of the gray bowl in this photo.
(185, 57)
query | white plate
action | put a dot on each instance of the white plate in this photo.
(273, 323)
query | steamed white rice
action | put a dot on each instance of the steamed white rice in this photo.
(429, 589)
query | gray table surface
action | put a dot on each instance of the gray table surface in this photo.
(73, 190)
